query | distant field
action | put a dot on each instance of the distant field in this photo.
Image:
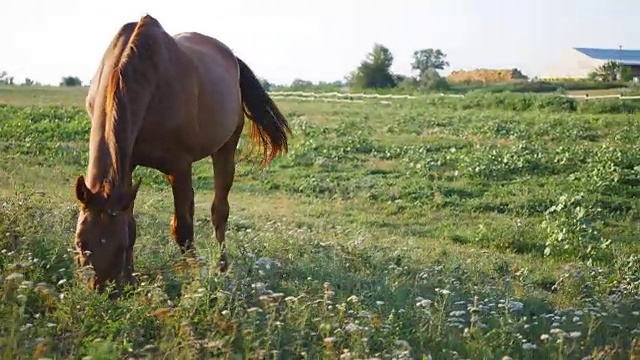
(45, 95)
(597, 92)
(389, 231)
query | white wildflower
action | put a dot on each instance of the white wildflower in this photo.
(515, 305)
(260, 286)
(351, 327)
(443, 291)
(14, 277)
(558, 332)
(266, 263)
(346, 355)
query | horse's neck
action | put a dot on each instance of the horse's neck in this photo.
(101, 170)
(110, 152)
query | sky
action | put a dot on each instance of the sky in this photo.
(321, 40)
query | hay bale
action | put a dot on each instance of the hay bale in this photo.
(486, 76)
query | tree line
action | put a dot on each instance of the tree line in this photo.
(374, 72)
(6, 79)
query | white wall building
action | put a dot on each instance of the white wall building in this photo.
(579, 62)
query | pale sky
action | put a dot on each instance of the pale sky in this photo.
(318, 40)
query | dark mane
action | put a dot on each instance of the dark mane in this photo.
(132, 71)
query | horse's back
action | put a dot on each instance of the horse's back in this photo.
(220, 99)
(215, 59)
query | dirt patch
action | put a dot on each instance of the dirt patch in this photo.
(385, 165)
(428, 135)
(275, 206)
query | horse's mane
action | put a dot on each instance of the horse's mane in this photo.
(133, 70)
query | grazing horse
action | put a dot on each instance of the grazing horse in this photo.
(164, 102)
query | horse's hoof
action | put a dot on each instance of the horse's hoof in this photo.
(224, 264)
(130, 281)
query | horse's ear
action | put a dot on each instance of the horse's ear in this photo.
(130, 195)
(83, 193)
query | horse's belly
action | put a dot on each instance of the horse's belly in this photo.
(151, 157)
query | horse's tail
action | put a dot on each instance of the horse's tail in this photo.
(269, 127)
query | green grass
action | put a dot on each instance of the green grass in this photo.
(388, 231)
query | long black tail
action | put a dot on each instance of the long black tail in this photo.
(269, 128)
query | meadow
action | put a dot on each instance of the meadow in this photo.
(415, 229)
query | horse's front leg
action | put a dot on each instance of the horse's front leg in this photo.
(128, 261)
(127, 273)
(182, 222)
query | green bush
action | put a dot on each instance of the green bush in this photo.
(609, 106)
(532, 101)
(536, 86)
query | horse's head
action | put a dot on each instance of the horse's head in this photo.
(103, 232)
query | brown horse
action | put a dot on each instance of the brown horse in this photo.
(164, 102)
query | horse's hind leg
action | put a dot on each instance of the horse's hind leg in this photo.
(224, 170)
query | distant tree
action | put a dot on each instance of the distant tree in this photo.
(300, 84)
(398, 78)
(266, 85)
(429, 59)
(405, 83)
(430, 80)
(612, 71)
(427, 62)
(5, 79)
(28, 82)
(325, 86)
(375, 70)
(626, 74)
(71, 81)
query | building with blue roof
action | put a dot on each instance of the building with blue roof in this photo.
(578, 62)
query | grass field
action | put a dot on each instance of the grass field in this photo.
(598, 92)
(388, 231)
